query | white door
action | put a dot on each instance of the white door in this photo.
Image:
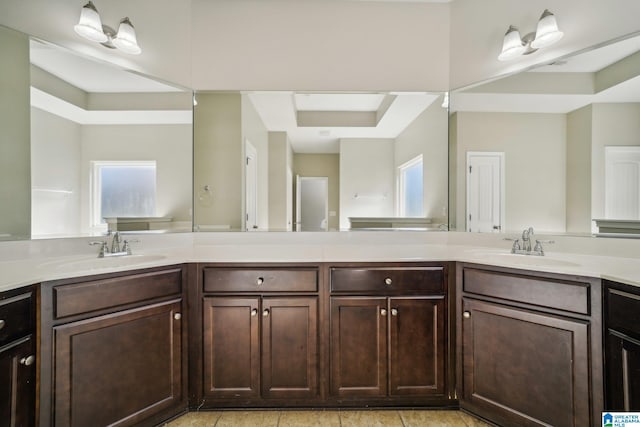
(485, 192)
(251, 187)
(312, 203)
(622, 182)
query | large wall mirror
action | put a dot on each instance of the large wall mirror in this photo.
(556, 147)
(99, 147)
(308, 161)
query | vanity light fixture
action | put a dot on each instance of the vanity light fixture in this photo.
(546, 34)
(91, 27)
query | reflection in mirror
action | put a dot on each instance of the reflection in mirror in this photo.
(109, 148)
(302, 161)
(556, 147)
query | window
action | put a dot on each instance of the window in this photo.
(122, 189)
(410, 184)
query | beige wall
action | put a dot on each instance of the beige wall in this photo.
(168, 145)
(535, 165)
(613, 124)
(316, 165)
(367, 179)
(579, 170)
(15, 157)
(55, 175)
(453, 175)
(217, 161)
(427, 135)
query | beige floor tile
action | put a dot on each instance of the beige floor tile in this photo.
(424, 418)
(472, 421)
(309, 419)
(248, 419)
(196, 419)
(370, 419)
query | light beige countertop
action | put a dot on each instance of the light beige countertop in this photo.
(25, 263)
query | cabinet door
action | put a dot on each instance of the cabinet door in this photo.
(623, 372)
(524, 368)
(358, 346)
(417, 345)
(231, 347)
(17, 384)
(118, 369)
(290, 347)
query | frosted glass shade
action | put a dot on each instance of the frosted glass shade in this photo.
(512, 46)
(547, 32)
(90, 25)
(125, 39)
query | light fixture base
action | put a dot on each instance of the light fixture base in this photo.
(526, 40)
(111, 34)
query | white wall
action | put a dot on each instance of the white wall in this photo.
(366, 170)
(55, 175)
(535, 165)
(168, 145)
(579, 129)
(280, 166)
(427, 135)
(15, 185)
(478, 27)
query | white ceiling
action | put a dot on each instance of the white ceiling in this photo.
(587, 62)
(278, 112)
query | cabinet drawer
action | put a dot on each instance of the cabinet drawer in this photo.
(260, 280)
(386, 280)
(544, 292)
(16, 319)
(85, 297)
(623, 311)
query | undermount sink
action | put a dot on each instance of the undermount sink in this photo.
(526, 260)
(95, 263)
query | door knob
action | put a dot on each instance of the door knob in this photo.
(265, 313)
(177, 316)
(388, 281)
(260, 281)
(2, 323)
(394, 312)
(254, 312)
(466, 314)
(28, 361)
(383, 311)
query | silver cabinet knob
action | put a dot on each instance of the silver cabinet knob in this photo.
(265, 312)
(177, 316)
(466, 314)
(28, 361)
(388, 281)
(260, 281)
(254, 312)
(394, 311)
(383, 311)
(2, 323)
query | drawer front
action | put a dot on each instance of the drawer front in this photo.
(550, 293)
(260, 280)
(85, 297)
(16, 319)
(388, 280)
(623, 310)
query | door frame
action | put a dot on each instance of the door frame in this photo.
(299, 180)
(250, 151)
(501, 156)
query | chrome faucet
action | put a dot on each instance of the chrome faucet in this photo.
(116, 249)
(526, 239)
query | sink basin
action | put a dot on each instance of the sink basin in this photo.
(95, 263)
(524, 260)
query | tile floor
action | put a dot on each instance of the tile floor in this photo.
(329, 418)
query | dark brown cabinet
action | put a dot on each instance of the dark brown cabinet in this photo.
(17, 358)
(114, 349)
(260, 336)
(389, 333)
(622, 346)
(529, 347)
